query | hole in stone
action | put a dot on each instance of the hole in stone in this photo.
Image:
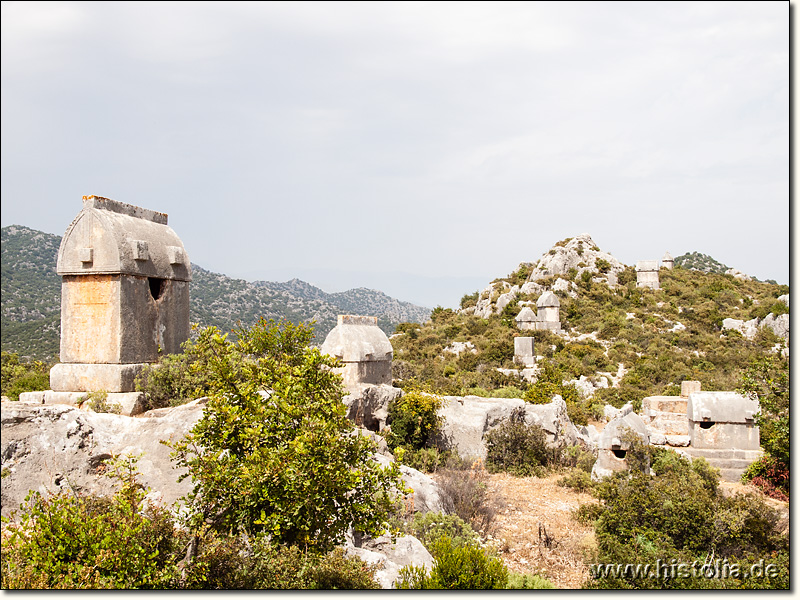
(619, 452)
(156, 287)
(706, 424)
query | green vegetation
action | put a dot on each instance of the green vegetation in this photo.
(98, 402)
(680, 515)
(661, 337)
(272, 453)
(19, 377)
(518, 448)
(456, 567)
(767, 381)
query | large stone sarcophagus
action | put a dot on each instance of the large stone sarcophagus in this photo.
(124, 296)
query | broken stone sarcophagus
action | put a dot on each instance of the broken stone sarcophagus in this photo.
(124, 296)
(363, 348)
(722, 430)
(615, 441)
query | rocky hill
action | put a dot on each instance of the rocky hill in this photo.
(615, 343)
(31, 298)
(698, 261)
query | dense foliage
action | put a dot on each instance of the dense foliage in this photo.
(124, 542)
(274, 452)
(767, 381)
(679, 515)
(456, 567)
(21, 376)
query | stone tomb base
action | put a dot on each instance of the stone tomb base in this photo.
(130, 403)
(86, 377)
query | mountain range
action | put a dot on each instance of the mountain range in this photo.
(31, 298)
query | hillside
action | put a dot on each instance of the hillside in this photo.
(31, 298)
(700, 262)
(620, 343)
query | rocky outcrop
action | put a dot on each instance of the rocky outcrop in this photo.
(467, 420)
(368, 405)
(749, 329)
(579, 253)
(53, 447)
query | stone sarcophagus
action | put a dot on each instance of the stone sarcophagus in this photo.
(722, 430)
(363, 348)
(124, 296)
(615, 441)
(647, 274)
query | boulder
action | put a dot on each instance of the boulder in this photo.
(468, 418)
(48, 447)
(405, 551)
(368, 404)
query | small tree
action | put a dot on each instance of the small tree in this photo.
(767, 381)
(274, 453)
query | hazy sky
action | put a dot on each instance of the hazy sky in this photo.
(421, 148)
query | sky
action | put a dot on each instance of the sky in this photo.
(418, 148)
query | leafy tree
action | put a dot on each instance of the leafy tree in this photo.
(767, 381)
(274, 453)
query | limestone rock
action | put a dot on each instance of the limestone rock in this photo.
(458, 347)
(405, 551)
(368, 405)
(50, 446)
(577, 251)
(468, 418)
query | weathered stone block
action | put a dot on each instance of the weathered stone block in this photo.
(524, 352)
(364, 349)
(689, 387)
(88, 377)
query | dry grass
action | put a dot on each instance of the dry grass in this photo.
(535, 530)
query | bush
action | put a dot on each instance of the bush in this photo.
(456, 568)
(175, 379)
(578, 480)
(518, 448)
(98, 402)
(464, 493)
(234, 563)
(274, 452)
(770, 475)
(414, 421)
(69, 542)
(528, 581)
(429, 527)
(679, 515)
(18, 377)
(468, 300)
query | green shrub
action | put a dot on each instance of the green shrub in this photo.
(69, 541)
(18, 377)
(175, 379)
(518, 448)
(429, 527)
(98, 402)
(602, 265)
(528, 581)
(578, 480)
(679, 515)
(467, 300)
(414, 421)
(456, 568)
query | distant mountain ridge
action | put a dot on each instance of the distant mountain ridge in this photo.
(31, 298)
